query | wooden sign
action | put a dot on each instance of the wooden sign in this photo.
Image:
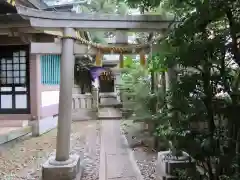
(106, 75)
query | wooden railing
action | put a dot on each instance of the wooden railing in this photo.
(82, 101)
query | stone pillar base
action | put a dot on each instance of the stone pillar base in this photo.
(66, 170)
(35, 127)
(166, 168)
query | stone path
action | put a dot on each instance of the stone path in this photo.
(115, 161)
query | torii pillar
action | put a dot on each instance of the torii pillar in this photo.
(63, 166)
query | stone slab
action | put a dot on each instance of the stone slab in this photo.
(14, 133)
(109, 113)
(115, 160)
(124, 178)
(111, 138)
(68, 171)
(13, 123)
(84, 114)
(6, 130)
(107, 95)
(115, 147)
(108, 100)
(119, 166)
(115, 105)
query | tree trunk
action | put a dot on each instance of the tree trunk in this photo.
(233, 33)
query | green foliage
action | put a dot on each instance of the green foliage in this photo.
(136, 90)
(200, 106)
(128, 61)
(146, 4)
(103, 6)
(199, 49)
(156, 63)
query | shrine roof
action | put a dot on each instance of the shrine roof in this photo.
(38, 4)
(9, 14)
(63, 7)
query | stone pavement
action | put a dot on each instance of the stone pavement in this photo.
(109, 101)
(109, 113)
(115, 161)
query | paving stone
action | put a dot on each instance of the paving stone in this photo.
(109, 113)
(114, 158)
(119, 166)
(125, 178)
(117, 161)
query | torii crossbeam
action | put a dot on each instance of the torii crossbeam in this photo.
(50, 19)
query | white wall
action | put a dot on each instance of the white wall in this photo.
(49, 98)
(47, 124)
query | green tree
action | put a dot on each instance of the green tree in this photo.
(202, 48)
(104, 6)
(98, 6)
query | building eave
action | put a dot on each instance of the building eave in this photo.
(63, 7)
(39, 4)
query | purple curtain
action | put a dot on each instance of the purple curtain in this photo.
(96, 71)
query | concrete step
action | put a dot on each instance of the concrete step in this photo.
(84, 114)
(13, 123)
(110, 102)
(109, 113)
(109, 118)
(9, 133)
(116, 105)
(107, 95)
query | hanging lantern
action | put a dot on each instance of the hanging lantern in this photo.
(99, 57)
(142, 58)
(121, 61)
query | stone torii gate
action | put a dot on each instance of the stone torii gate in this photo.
(63, 166)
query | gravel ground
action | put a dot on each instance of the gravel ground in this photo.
(146, 162)
(145, 157)
(22, 158)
